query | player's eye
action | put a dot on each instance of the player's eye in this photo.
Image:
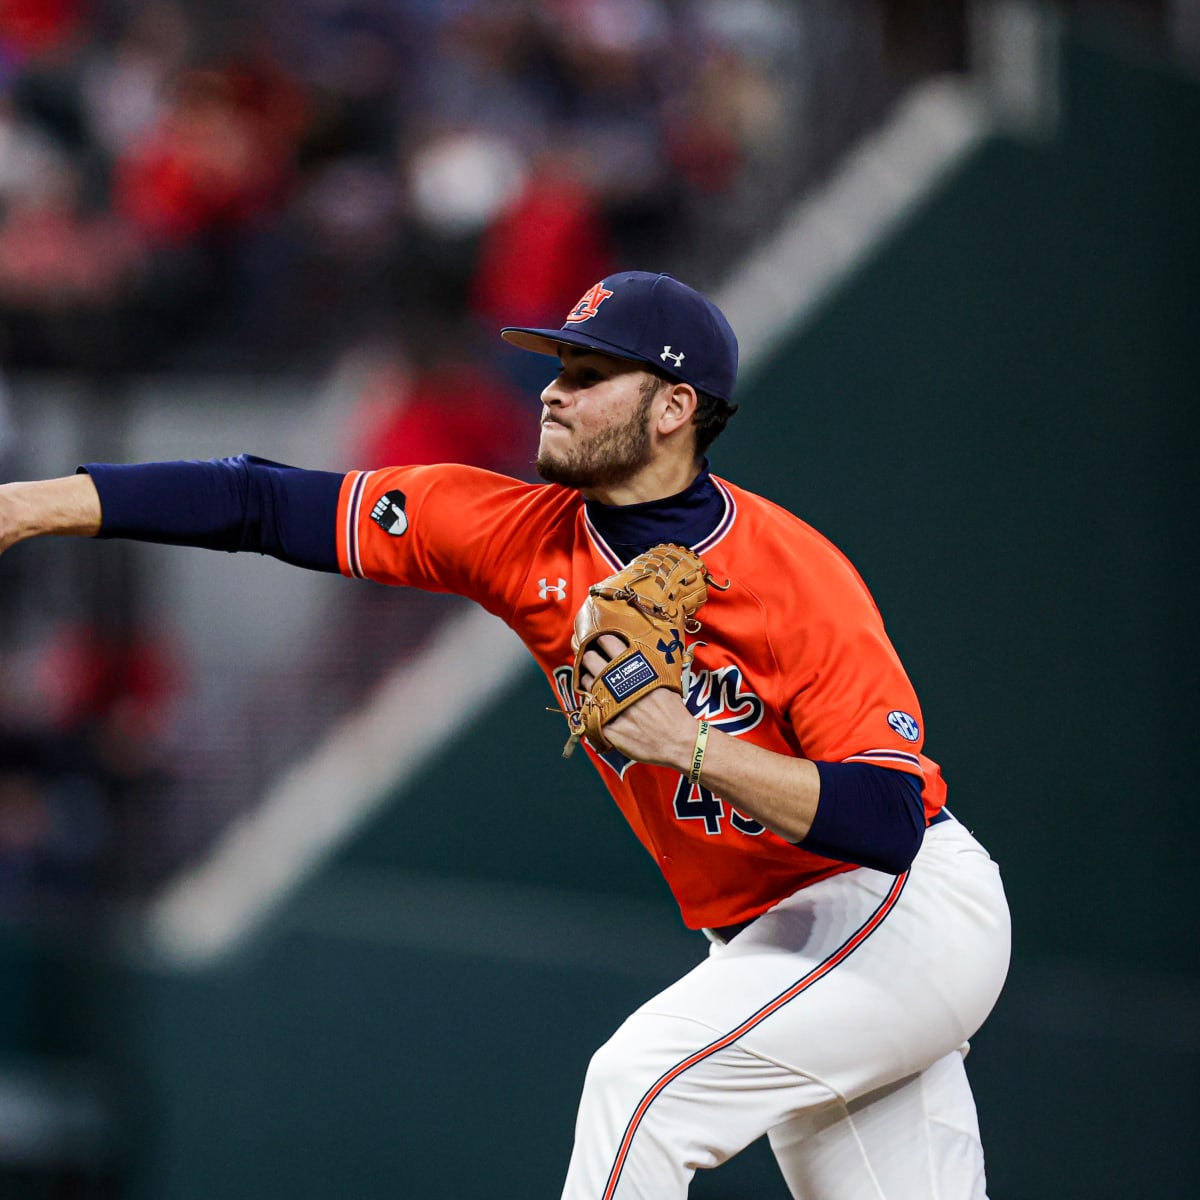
(580, 376)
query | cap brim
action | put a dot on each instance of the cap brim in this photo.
(550, 341)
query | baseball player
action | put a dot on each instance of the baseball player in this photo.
(858, 934)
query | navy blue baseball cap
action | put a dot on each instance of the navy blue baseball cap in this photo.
(647, 318)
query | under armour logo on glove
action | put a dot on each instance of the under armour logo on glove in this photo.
(669, 649)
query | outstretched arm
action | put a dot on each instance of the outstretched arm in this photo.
(243, 503)
(68, 506)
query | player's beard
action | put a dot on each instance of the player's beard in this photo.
(609, 457)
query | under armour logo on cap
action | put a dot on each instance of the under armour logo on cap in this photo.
(642, 316)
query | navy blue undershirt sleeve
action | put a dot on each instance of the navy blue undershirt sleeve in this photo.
(867, 815)
(242, 503)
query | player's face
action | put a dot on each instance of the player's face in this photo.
(595, 421)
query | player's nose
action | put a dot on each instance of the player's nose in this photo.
(554, 395)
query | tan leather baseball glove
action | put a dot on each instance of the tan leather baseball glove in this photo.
(650, 605)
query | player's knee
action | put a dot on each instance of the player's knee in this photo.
(635, 1055)
(611, 1064)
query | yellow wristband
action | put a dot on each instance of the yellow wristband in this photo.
(698, 753)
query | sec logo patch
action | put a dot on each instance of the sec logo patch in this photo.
(904, 724)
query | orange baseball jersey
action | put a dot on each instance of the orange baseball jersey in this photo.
(792, 657)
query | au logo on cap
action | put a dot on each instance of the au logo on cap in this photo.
(589, 304)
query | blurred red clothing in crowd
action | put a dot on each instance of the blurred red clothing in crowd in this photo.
(449, 412)
(221, 156)
(536, 251)
(53, 257)
(125, 688)
(30, 27)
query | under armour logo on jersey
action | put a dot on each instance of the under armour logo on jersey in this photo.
(677, 359)
(589, 304)
(669, 649)
(558, 590)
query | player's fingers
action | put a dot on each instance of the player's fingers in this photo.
(611, 645)
(592, 663)
(601, 652)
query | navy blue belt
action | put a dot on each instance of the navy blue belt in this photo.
(726, 933)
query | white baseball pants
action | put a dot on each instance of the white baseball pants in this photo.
(836, 1023)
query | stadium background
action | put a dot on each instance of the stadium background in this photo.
(984, 402)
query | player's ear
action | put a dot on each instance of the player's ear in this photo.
(677, 406)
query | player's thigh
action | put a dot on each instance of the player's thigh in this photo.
(863, 978)
(665, 1097)
(917, 1139)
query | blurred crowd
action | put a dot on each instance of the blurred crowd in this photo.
(86, 752)
(366, 190)
(260, 182)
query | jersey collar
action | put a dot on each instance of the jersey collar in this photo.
(698, 514)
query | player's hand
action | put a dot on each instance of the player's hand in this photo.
(657, 729)
(9, 524)
(67, 506)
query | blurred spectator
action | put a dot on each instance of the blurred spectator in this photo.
(218, 158)
(53, 828)
(458, 181)
(127, 85)
(33, 28)
(55, 256)
(66, 272)
(9, 572)
(728, 114)
(441, 408)
(534, 253)
(86, 745)
(353, 60)
(26, 153)
(8, 433)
